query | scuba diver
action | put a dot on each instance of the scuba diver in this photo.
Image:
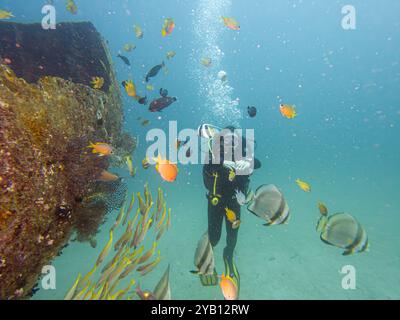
(224, 176)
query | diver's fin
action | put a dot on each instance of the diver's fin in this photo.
(209, 280)
(234, 274)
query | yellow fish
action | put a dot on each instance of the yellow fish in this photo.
(150, 87)
(171, 54)
(130, 88)
(303, 185)
(105, 251)
(288, 111)
(129, 47)
(230, 215)
(206, 62)
(129, 163)
(323, 210)
(5, 15)
(138, 31)
(97, 82)
(71, 7)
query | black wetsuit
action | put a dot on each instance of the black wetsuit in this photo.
(225, 193)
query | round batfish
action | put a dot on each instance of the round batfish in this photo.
(342, 230)
(204, 257)
(269, 204)
(161, 103)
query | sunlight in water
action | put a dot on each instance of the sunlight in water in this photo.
(220, 108)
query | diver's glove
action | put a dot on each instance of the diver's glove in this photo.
(240, 166)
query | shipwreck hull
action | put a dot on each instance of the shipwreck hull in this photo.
(48, 115)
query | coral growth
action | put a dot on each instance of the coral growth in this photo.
(46, 168)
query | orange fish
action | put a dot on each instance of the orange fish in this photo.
(288, 111)
(167, 170)
(107, 176)
(231, 23)
(101, 148)
(229, 287)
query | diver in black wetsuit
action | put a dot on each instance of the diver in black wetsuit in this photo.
(223, 180)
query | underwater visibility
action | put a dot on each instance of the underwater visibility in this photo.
(201, 150)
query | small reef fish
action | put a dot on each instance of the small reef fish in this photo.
(97, 82)
(231, 23)
(142, 100)
(145, 122)
(154, 71)
(342, 230)
(161, 103)
(124, 59)
(303, 185)
(167, 170)
(101, 148)
(228, 287)
(145, 269)
(252, 111)
(168, 27)
(206, 62)
(130, 88)
(269, 204)
(163, 92)
(105, 250)
(145, 163)
(288, 111)
(231, 217)
(107, 176)
(129, 163)
(170, 54)
(128, 47)
(204, 257)
(71, 6)
(5, 15)
(323, 210)
(138, 31)
(207, 131)
(71, 292)
(149, 87)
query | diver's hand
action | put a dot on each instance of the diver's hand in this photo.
(242, 165)
(231, 165)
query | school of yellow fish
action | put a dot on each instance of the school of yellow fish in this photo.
(104, 280)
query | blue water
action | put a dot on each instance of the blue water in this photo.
(344, 142)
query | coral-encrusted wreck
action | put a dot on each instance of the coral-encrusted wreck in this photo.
(49, 113)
